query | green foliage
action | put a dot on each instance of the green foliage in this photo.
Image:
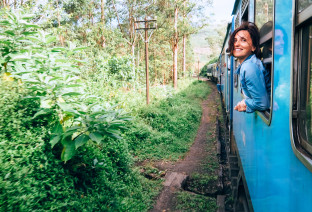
(32, 176)
(192, 202)
(203, 70)
(56, 106)
(166, 129)
(50, 74)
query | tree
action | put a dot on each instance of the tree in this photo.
(215, 39)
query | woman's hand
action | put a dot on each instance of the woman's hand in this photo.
(241, 106)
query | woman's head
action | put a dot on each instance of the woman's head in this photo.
(245, 41)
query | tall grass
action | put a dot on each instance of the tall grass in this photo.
(166, 128)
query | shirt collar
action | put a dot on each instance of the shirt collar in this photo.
(239, 66)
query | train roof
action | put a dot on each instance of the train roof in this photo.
(211, 65)
(235, 6)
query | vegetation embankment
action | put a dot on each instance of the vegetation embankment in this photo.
(73, 123)
(98, 177)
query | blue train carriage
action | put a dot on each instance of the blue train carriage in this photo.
(215, 72)
(225, 69)
(209, 71)
(274, 147)
(212, 73)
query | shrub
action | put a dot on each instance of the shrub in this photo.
(33, 178)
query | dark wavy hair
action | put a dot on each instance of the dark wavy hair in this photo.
(254, 34)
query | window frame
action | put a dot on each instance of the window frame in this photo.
(301, 147)
(266, 116)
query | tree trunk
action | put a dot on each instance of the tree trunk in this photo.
(138, 60)
(133, 58)
(6, 3)
(58, 14)
(114, 6)
(183, 43)
(183, 62)
(175, 49)
(102, 13)
(154, 56)
(103, 40)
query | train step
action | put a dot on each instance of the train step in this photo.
(233, 161)
(234, 172)
(233, 158)
(234, 182)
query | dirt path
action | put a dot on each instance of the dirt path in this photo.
(203, 151)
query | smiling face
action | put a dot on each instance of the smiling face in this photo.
(279, 42)
(243, 46)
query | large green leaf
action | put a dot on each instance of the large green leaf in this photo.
(54, 140)
(50, 39)
(27, 25)
(58, 128)
(71, 94)
(79, 48)
(69, 149)
(97, 137)
(5, 23)
(113, 133)
(28, 16)
(81, 140)
(29, 33)
(20, 57)
(42, 112)
(35, 39)
(67, 108)
(73, 129)
(10, 32)
(58, 49)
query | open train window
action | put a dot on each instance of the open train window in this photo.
(244, 10)
(302, 81)
(264, 20)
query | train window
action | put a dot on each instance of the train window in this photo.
(245, 10)
(264, 12)
(303, 4)
(236, 75)
(264, 20)
(304, 102)
(302, 83)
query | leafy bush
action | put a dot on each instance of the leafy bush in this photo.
(50, 74)
(32, 176)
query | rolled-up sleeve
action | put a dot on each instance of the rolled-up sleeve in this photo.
(255, 84)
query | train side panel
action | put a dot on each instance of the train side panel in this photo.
(277, 180)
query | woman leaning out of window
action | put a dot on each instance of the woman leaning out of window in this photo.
(244, 45)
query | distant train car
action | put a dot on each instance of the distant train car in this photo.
(209, 71)
(215, 72)
(212, 72)
(273, 147)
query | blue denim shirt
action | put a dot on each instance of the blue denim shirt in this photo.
(255, 84)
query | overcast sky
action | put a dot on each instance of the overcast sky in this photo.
(222, 9)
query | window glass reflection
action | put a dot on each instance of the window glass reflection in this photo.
(302, 4)
(264, 12)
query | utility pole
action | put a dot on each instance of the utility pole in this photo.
(198, 69)
(148, 24)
